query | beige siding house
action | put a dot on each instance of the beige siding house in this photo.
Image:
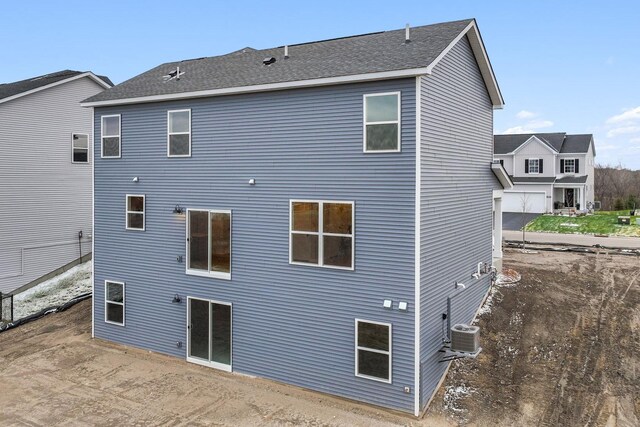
(45, 174)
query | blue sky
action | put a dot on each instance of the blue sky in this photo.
(569, 66)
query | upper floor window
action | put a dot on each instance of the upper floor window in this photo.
(373, 350)
(110, 136)
(569, 166)
(179, 133)
(534, 166)
(382, 122)
(135, 212)
(209, 243)
(321, 233)
(79, 148)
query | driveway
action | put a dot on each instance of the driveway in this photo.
(513, 220)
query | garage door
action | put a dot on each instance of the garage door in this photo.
(535, 201)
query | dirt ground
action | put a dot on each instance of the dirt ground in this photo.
(562, 347)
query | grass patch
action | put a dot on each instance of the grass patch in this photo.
(601, 223)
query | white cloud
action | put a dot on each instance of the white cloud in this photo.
(518, 129)
(635, 140)
(530, 127)
(628, 116)
(624, 130)
(539, 124)
(524, 114)
(610, 60)
(607, 147)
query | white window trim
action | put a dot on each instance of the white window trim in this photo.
(103, 136)
(88, 147)
(106, 301)
(169, 133)
(537, 161)
(573, 161)
(364, 122)
(127, 212)
(216, 365)
(389, 353)
(214, 274)
(320, 233)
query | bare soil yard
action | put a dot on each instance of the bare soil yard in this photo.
(562, 347)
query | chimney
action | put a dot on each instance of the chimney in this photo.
(286, 52)
(407, 39)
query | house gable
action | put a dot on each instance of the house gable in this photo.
(537, 142)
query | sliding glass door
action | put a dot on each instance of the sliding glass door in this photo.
(209, 330)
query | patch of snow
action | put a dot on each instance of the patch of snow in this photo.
(452, 396)
(506, 279)
(55, 291)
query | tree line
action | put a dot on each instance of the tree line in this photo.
(617, 188)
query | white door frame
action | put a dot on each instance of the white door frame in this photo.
(216, 365)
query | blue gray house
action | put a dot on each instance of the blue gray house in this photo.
(301, 213)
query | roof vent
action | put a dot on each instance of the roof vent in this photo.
(269, 61)
(286, 52)
(175, 74)
(407, 39)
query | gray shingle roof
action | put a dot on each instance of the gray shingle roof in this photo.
(572, 180)
(368, 53)
(559, 141)
(533, 179)
(15, 88)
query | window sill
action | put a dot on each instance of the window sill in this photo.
(333, 267)
(381, 151)
(169, 156)
(367, 377)
(134, 229)
(213, 274)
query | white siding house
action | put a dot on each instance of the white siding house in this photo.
(550, 171)
(46, 183)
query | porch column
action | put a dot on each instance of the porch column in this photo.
(497, 228)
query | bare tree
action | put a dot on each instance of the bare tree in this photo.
(616, 185)
(524, 205)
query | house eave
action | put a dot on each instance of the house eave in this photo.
(356, 78)
(88, 74)
(502, 175)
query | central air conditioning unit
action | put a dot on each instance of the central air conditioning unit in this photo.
(465, 338)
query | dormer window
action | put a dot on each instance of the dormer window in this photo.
(382, 122)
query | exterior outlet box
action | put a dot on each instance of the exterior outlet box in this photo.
(402, 306)
(387, 303)
(465, 338)
(407, 389)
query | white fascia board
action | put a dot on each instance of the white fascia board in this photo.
(356, 78)
(417, 254)
(502, 175)
(475, 40)
(534, 138)
(58, 83)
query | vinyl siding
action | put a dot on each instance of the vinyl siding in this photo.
(291, 323)
(456, 200)
(535, 150)
(44, 198)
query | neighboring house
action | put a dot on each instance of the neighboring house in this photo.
(45, 174)
(550, 171)
(254, 211)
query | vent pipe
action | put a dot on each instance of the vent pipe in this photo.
(407, 39)
(178, 73)
(286, 52)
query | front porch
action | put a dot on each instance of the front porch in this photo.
(568, 198)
